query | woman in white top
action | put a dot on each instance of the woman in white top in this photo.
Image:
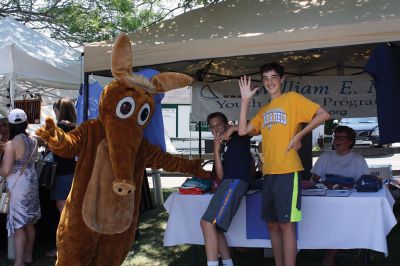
(18, 166)
(341, 162)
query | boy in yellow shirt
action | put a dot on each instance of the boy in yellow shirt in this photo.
(279, 123)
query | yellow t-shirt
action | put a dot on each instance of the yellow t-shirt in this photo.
(278, 122)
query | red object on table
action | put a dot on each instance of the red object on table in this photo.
(191, 191)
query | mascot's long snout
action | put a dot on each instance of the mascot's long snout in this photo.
(119, 142)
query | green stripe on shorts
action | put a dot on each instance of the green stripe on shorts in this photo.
(295, 215)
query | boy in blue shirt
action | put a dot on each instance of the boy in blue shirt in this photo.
(233, 166)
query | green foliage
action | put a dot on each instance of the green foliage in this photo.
(316, 148)
(89, 21)
(83, 21)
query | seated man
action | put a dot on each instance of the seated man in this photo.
(340, 162)
(232, 165)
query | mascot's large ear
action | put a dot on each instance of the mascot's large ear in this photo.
(121, 58)
(167, 81)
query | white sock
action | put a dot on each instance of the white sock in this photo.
(212, 263)
(228, 262)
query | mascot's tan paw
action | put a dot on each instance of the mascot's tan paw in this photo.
(48, 131)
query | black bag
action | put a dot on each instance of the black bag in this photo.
(46, 171)
(368, 183)
(334, 179)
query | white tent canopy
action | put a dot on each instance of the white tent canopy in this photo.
(33, 64)
(236, 37)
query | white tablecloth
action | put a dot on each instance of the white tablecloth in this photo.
(362, 220)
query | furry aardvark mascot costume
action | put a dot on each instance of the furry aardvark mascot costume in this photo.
(97, 225)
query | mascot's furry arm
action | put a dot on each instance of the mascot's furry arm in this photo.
(159, 159)
(63, 144)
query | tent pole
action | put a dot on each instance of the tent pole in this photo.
(12, 91)
(200, 77)
(199, 139)
(85, 96)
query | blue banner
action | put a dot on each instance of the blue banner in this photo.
(256, 228)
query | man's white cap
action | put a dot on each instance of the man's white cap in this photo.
(17, 116)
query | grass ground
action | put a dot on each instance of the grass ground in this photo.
(148, 249)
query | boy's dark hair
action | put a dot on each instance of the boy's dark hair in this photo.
(217, 114)
(351, 134)
(16, 129)
(279, 69)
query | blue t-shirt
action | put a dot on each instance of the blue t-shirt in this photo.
(95, 90)
(236, 158)
(384, 67)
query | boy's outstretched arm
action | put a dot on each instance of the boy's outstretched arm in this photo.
(246, 94)
(321, 115)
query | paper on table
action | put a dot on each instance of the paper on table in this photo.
(337, 193)
(313, 192)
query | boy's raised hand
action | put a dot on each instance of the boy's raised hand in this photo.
(245, 88)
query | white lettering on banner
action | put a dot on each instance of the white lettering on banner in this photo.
(342, 96)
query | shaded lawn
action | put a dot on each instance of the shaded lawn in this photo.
(149, 250)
